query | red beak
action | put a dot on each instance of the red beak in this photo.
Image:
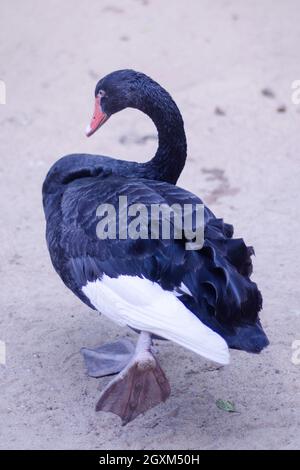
(98, 118)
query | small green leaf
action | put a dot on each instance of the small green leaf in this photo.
(226, 405)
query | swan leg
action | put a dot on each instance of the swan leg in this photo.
(108, 359)
(141, 385)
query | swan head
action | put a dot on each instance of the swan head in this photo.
(116, 91)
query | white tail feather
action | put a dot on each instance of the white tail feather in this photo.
(144, 305)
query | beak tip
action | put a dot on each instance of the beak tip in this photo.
(88, 131)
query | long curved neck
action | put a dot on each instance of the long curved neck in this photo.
(166, 165)
(169, 160)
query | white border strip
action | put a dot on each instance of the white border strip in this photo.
(2, 92)
(2, 353)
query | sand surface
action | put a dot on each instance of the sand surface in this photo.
(243, 159)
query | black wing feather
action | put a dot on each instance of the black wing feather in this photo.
(218, 275)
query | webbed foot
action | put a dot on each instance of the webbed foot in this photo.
(108, 359)
(141, 385)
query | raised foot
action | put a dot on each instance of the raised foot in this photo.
(108, 359)
(139, 387)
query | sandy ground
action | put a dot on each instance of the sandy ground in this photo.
(244, 162)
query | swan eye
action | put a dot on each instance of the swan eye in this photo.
(101, 93)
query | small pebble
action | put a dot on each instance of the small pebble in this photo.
(281, 109)
(219, 111)
(268, 93)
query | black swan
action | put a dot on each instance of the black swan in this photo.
(202, 299)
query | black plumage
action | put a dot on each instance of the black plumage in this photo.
(218, 275)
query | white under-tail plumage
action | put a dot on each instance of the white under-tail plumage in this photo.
(146, 306)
